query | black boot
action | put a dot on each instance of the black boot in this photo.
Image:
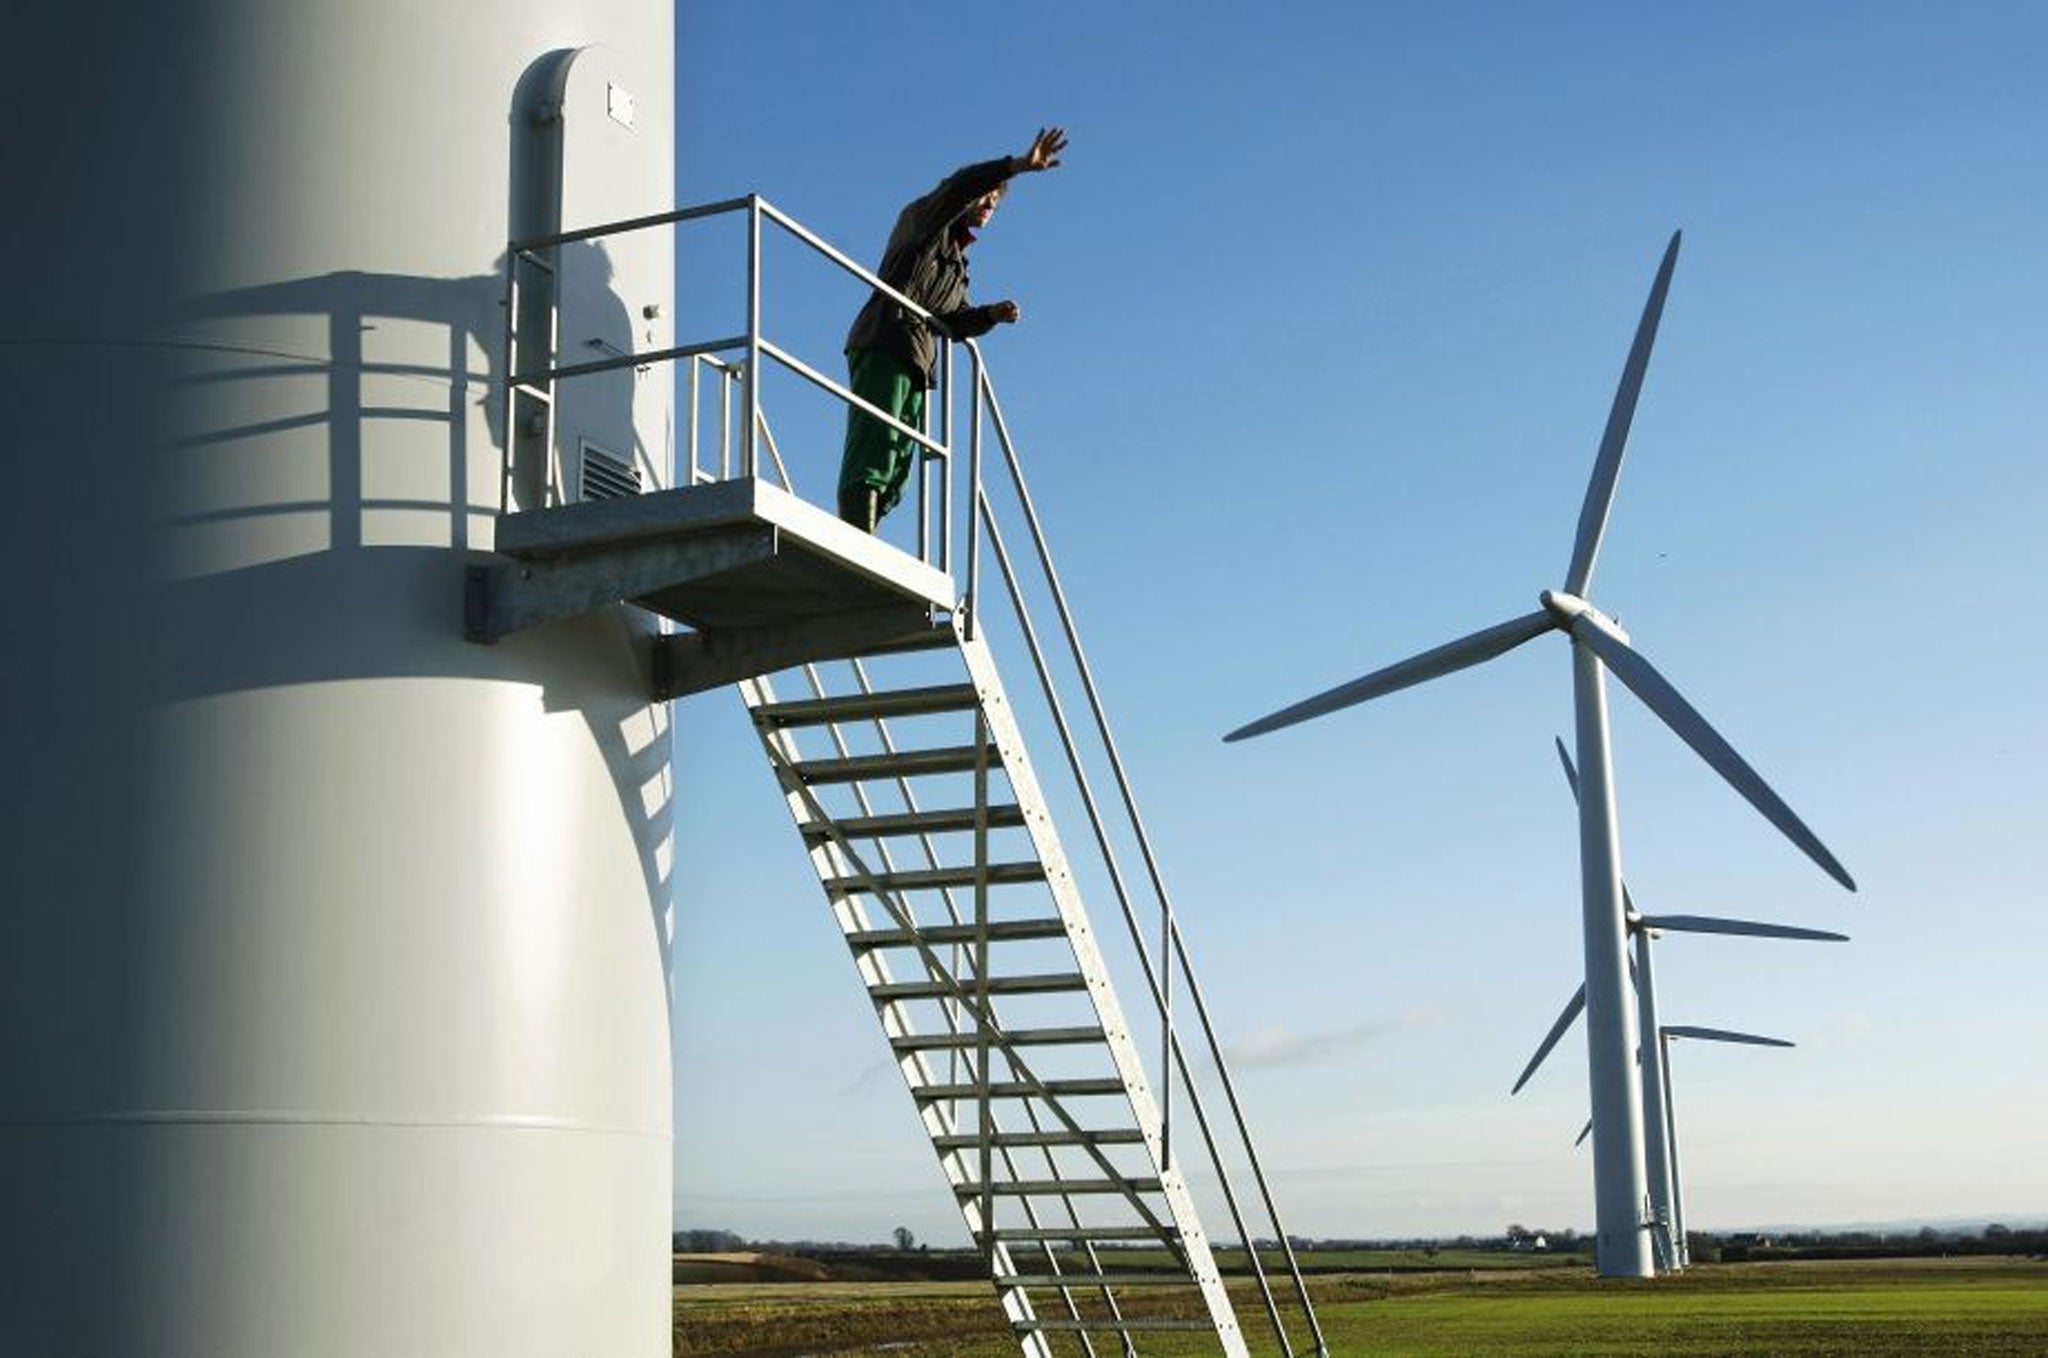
(858, 506)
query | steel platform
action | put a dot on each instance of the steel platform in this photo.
(729, 554)
(764, 578)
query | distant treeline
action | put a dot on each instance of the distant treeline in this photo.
(729, 1242)
(708, 1242)
(1517, 1237)
(1707, 1246)
(1928, 1240)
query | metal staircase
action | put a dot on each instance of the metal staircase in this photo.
(869, 678)
(937, 851)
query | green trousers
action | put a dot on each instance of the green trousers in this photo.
(877, 457)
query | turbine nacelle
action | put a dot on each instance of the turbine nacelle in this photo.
(1570, 610)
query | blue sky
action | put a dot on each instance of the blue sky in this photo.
(1321, 321)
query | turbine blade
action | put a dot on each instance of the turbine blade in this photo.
(1642, 679)
(1571, 773)
(1584, 1132)
(1607, 466)
(1571, 776)
(1550, 1039)
(1452, 656)
(1723, 1035)
(1708, 924)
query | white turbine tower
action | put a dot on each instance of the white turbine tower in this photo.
(1599, 646)
(1660, 1154)
(1664, 1118)
(1664, 1036)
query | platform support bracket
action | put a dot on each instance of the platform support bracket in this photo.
(696, 662)
(507, 595)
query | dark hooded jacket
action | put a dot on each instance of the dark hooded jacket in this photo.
(926, 261)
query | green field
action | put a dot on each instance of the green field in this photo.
(1968, 1307)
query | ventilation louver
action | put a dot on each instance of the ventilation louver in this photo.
(606, 477)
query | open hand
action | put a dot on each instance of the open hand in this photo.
(1046, 148)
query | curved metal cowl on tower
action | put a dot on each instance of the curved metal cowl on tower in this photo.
(333, 948)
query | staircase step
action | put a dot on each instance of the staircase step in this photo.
(902, 702)
(947, 935)
(901, 764)
(1060, 1188)
(1108, 1136)
(1094, 1280)
(1164, 1233)
(1017, 1089)
(1027, 1037)
(1044, 983)
(938, 636)
(1026, 1132)
(934, 879)
(1004, 816)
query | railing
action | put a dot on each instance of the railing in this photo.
(1164, 959)
(536, 254)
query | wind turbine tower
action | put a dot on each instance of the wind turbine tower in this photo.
(333, 950)
(1599, 647)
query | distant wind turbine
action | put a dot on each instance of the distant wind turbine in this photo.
(1599, 646)
(1660, 1166)
(1681, 1248)
(1661, 1154)
(1664, 1037)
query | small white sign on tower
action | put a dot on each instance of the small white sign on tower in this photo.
(619, 104)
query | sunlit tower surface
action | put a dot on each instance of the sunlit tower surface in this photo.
(334, 948)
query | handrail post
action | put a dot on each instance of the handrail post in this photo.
(724, 423)
(972, 597)
(921, 468)
(1166, 1035)
(752, 376)
(696, 408)
(946, 466)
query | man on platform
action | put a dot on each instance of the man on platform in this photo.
(891, 354)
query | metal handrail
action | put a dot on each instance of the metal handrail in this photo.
(536, 252)
(1172, 954)
(681, 214)
(1173, 943)
(956, 1017)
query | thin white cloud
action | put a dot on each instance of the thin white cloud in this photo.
(1277, 1045)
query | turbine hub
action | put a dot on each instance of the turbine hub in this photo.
(1562, 606)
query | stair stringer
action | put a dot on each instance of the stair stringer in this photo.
(831, 862)
(1008, 739)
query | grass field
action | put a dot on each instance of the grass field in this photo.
(1974, 1308)
(1232, 1261)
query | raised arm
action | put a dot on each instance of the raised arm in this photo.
(931, 213)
